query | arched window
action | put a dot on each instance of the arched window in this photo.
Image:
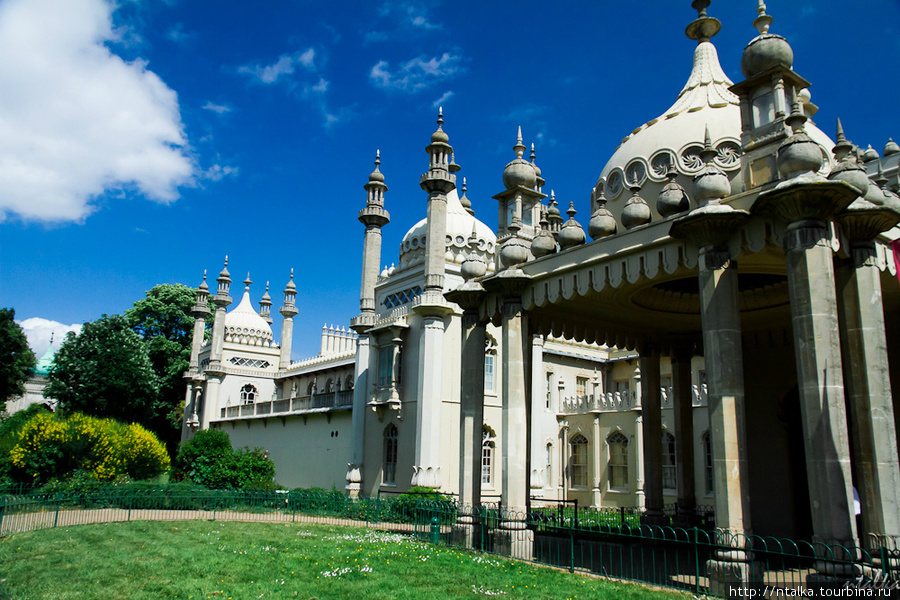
(487, 455)
(349, 383)
(389, 474)
(329, 386)
(707, 462)
(311, 388)
(578, 462)
(669, 471)
(490, 364)
(248, 394)
(548, 458)
(618, 460)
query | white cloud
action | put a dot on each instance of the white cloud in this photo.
(217, 108)
(77, 120)
(38, 332)
(440, 101)
(285, 65)
(218, 172)
(417, 73)
(178, 35)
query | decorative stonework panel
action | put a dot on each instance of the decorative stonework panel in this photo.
(690, 158)
(614, 184)
(635, 173)
(728, 155)
(659, 164)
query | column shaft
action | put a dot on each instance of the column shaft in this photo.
(652, 442)
(471, 408)
(684, 435)
(514, 492)
(430, 400)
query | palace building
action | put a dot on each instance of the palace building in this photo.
(719, 341)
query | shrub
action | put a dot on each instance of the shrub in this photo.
(208, 459)
(49, 447)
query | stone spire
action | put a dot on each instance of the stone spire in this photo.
(374, 217)
(438, 182)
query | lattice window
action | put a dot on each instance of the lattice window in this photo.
(389, 474)
(253, 363)
(579, 461)
(669, 470)
(618, 460)
(249, 394)
(403, 297)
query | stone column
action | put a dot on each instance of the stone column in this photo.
(596, 463)
(640, 498)
(684, 437)
(427, 468)
(537, 476)
(471, 407)
(805, 205)
(652, 436)
(513, 538)
(866, 373)
(358, 417)
(710, 228)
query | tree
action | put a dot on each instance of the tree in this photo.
(105, 371)
(163, 318)
(17, 361)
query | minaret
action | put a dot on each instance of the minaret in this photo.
(221, 300)
(265, 305)
(200, 311)
(374, 217)
(438, 182)
(288, 311)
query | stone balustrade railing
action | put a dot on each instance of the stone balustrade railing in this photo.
(342, 399)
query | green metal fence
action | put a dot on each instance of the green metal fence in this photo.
(608, 543)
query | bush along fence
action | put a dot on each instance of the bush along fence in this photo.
(610, 543)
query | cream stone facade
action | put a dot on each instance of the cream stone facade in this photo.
(720, 347)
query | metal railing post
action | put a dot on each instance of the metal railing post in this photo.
(696, 560)
(56, 516)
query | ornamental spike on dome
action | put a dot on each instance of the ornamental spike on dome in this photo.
(439, 136)
(798, 154)
(890, 148)
(762, 22)
(767, 50)
(519, 172)
(708, 154)
(224, 279)
(453, 167)
(797, 119)
(474, 265)
(519, 147)
(376, 176)
(203, 285)
(464, 200)
(843, 147)
(247, 282)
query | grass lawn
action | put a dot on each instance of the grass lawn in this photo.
(240, 561)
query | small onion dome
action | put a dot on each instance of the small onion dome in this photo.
(553, 208)
(636, 211)
(384, 272)
(266, 298)
(571, 233)
(847, 168)
(519, 172)
(290, 287)
(473, 266)
(798, 154)
(673, 199)
(464, 200)
(377, 175)
(870, 153)
(203, 287)
(602, 223)
(890, 148)
(224, 274)
(543, 243)
(439, 136)
(710, 182)
(514, 251)
(766, 50)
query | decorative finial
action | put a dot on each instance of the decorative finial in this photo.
(796, 120)
(700, 6)
(571, 212)
(708, 153)
(843, 148)
(519, 147)
(377, 158)
(440, 119)
(247, 282)
(532, 153)
(464, 186)
(762, 21)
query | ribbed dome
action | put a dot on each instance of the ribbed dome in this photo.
(459, 228)
(243, 325)
(45, 363)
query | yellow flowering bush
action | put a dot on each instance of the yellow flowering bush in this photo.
(49, 447)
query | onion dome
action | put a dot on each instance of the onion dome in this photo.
(519, 172)
(514, 250)
(543, 243)
(453, 167)
(464, 200)
(439, 136)
(798, 154)
(847, 168)
(710, 183)
(636, 211)
(474, 265)
(243, 325)
(672, 199)
(890, 148)
(870, 154)
(203, 287)
(45, 363)
(602, 222)
(376, 175)
(571, 233)
(766, 50)
(553, 219)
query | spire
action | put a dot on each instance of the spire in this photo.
(247, 282)
(464, 200)
(762, 21)
(519, 147)
(708, 153)
(843, 147)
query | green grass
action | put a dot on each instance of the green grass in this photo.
(240, 561)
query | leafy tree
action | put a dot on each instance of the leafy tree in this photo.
(163, 318)
(105, 371)
(209, 460)
(17, 361)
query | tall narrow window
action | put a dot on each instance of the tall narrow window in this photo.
(487, 456)
(579, 461)
(389, 474)
(618, 461)
(385, 366)
(248, 394)
(549, 468)
(708, 463)
(490, 363)
(549, 385)
(669, 471)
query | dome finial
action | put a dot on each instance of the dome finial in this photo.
(796, 120)
(377, 157)
(464, 200)
(440, 119)
(532, 153)
(704, 27)
(519, 147)
(843, 147)
(708, 153)
(762, 21)
(247, 282)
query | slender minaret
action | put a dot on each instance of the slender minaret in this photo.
(288, 311)
(374, 217)
(200, 311)
(438, 182)
(214, 371)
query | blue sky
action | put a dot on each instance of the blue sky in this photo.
(140, 144)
